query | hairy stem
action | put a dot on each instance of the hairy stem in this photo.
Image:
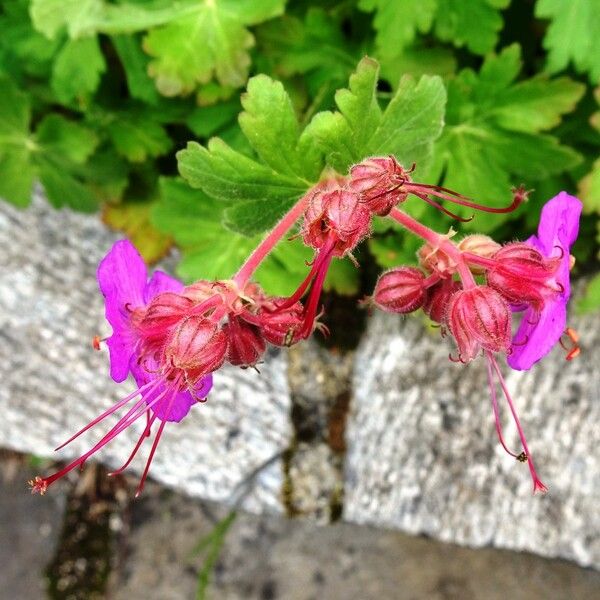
(438, 241)
(264, 248)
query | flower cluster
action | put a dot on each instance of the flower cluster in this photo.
(171, 338)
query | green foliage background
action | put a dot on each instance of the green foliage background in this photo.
(97, 97)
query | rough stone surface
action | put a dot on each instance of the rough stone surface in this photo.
(417, 451)
(269, 558)
(423, 455)
(53, 383)
(320, 391)
(29, 530)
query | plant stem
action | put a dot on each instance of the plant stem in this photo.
(264, 248)
(437, 241)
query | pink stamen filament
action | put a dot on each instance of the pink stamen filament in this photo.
(145, 434)
(155, 444)
(456, 198)
(538, 486)
(497, 421)
(141, 406)
(148, 387)
(264, 248)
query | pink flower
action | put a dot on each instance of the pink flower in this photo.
(542, 326)
(148, 324)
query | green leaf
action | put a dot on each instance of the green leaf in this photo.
(249, 217)
(54, 153)
(136, 136)
(80, 17)
(418, 60)
(397, 25)
(63, 189)
(135, 64)
(227, 175)
(407, 127)
(589, 189)
(211, 40)
(573, 35)
(291, 161)
(17, 176)
(212, 252)
(474, 24)
(77, 69)
(208, 120)
(483, 151)
(590, 301)
(22, 49)
(271, 126)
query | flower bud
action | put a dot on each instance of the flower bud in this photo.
(400, 290)
(281, 326)
(378, 180)
(202, 290)
(523, 275)
(163, 312)
(198, 347)
(478, 318)
(438, 298)
(246, 344)
(335, 212)
(435, 260)
(481, 245)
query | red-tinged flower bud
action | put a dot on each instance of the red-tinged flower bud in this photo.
(197, 347)
(163, 312)
(400, 290)
(203, 290)
(280, 327)
(480, 245)
(523, 275)
(338, 213)
(479, 318)
(246, 343)
(378, 181)
(438, 298)
(435, 260)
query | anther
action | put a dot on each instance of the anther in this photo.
(522, 457)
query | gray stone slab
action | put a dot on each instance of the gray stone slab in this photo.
(423, 455)
(53, 383)
(29, 531)
(266, 557)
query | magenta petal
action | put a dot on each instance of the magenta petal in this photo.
(538, 333)
(161, 282)
(559, 224)
(533, 341)
(122, 278)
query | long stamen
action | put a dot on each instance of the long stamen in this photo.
(155, 444)
(437, 205)
(538, 486)
(148, 387)
(40, 484)
(497, 421)
(143, 436)
(456, 198)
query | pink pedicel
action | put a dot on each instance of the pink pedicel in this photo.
(171, 338)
